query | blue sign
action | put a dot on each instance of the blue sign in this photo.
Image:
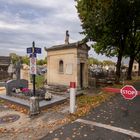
(29, 50)
(34, 50)
(37, 50)
(33, 55)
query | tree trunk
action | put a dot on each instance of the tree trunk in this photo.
(118, 67)
(139, 68)
(129, 73)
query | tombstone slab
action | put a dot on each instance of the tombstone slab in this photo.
(15, 84)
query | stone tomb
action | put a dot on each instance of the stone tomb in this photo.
(22, 83)
(24, 102)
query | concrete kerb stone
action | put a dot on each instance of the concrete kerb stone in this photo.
(43, 104)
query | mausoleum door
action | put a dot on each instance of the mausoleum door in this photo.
(81, 74)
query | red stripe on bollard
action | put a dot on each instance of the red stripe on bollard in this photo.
(72, 85)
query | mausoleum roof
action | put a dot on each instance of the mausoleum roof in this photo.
(66, 46)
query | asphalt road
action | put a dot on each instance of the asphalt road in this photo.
(117, 119)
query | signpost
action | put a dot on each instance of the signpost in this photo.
(33, 51)
(34, 103)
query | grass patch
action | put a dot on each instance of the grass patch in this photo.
(1, 101)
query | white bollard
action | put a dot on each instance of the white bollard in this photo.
(72, 97)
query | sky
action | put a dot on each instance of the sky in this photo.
(42, 21)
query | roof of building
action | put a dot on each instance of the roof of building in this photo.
(5, 60)
(66, 46)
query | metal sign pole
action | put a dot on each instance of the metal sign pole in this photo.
(33, 76)
(34, 102)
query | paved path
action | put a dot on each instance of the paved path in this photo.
(118, 119)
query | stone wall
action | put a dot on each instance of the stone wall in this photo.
(69, 57)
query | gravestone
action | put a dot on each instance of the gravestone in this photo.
(15, 84)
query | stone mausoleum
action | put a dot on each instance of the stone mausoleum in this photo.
(68, 63)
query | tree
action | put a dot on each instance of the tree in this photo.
(133, 39)
(14, 57)
(134, 53)
(108, 62)
(107, 23)
(138, 60)
(94, 61)
(42, 61)
(25, 59)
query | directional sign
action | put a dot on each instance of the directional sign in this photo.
(29, 50)
(129, 92)
(37, 50)
(33, 55)
(33, 65)
(34, 50)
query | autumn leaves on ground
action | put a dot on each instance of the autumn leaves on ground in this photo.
(84, 104)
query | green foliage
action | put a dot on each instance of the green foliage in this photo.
(113, 24)
(41, 62)
(108, 62)
(92, 60)
(107, 22)
(1, 101)
(39, 81)
(14, 57)
(25, 60)
(95, 61)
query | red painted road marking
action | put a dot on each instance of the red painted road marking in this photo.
(108, 89)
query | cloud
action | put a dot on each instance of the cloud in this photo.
(44, 22)
(8, 26)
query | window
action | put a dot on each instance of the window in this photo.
(61, 66)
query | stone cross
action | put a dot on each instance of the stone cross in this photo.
(18, 67)
(67, 37)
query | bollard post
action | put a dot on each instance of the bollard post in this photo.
(34, 106)
(72, 97)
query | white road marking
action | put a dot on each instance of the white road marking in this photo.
(117, 129)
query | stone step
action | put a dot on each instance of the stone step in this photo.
(58, 93)
(56, 90)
